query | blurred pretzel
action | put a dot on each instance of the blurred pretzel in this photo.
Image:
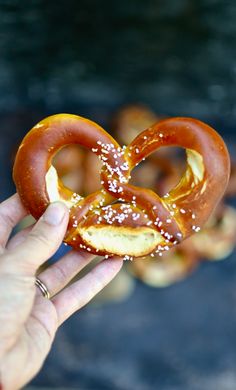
(217, 240)
(130, 120)
(175, 265)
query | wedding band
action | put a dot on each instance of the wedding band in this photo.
(42, 288)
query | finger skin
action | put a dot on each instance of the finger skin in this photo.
(17, 296)
(11, 212)
(81, 292)
(25, 357)
(59, 274)
(40, 244)
(19, 238)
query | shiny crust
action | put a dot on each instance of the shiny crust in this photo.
(193, 197)
(175, 216)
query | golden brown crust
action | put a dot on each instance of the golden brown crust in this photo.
(175, 216)
(194, 197)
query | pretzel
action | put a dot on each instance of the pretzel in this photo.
(121, 219)
(217, 240)
(130, 120)
(175, 265)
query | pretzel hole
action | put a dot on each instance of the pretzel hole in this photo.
(68, 163)
(160, 171)
(163, 170)
(78, 169)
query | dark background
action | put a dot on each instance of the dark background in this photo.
(91, 57)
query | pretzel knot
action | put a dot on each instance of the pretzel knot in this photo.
(120, 218)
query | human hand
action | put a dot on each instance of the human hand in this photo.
(28, 320)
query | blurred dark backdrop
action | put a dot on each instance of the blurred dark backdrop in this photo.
(178, 56)
(90, 57)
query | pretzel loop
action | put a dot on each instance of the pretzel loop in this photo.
(121, 218)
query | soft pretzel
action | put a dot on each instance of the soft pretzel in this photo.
(120, 218)
(174, 266)
(217, 240)
(130, 120)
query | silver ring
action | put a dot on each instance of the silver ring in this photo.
(42, 288)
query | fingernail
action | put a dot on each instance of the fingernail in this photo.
(54, 214)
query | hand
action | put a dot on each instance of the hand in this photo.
(28, 320)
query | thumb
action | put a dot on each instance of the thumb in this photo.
(43, 240)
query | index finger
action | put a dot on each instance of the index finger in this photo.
(76, 295)
(11, 212)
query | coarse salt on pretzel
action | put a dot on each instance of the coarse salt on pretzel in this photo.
(121, 219)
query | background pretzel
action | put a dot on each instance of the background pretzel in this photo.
(140, 222)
